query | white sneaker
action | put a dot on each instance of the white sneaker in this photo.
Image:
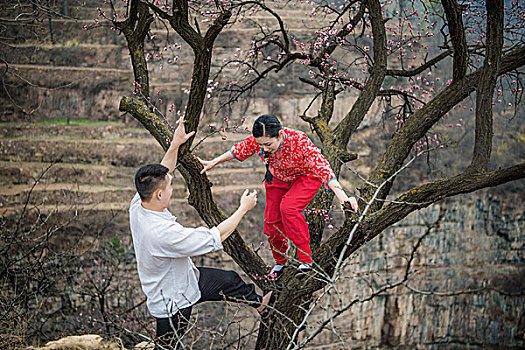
(277, 270)
(304, 268)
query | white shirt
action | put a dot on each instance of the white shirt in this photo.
(163, 248)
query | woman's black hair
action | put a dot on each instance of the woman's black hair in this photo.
(267, 125)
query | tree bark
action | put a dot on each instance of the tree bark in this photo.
(135, 29)
(457, 36)
(487, 84)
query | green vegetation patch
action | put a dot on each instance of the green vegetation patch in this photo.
(61, 122)
(65, 121)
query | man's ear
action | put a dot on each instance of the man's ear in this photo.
(157, 194)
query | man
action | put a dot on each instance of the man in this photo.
(163, 248)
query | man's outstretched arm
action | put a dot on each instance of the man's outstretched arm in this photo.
(179, 137)
(248, 201)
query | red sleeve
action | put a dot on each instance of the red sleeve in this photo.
(245, 149)
(316, 161)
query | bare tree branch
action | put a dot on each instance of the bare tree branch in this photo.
(420, 69)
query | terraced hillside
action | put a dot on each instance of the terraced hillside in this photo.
(91, 167)
(61, 70)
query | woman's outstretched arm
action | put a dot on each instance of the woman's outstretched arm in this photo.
(341, 195)
(208, 164)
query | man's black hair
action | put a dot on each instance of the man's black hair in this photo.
(148, 179)
(266, 125)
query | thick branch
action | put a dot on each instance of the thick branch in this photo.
(180, 22)
(199, 82)
(326, 110)
(377, 73)
(156, 127)
(215, 29)
(457, 36)
(487, 83)
(135, 29)
(427, 194)
(418, 124)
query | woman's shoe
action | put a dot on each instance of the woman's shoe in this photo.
(277, 270)
(303, 268)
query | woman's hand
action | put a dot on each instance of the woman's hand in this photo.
(207, 164)
(351, 200)
(353, 204)
(341, 195)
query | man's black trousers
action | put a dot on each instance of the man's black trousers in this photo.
(215, 285)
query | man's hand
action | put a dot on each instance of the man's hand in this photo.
(248, 200)
(180, 136)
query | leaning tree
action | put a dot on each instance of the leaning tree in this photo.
(360, 46)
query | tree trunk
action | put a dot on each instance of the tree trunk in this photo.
(281, 327)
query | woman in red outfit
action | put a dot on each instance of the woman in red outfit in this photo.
(295, 170)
